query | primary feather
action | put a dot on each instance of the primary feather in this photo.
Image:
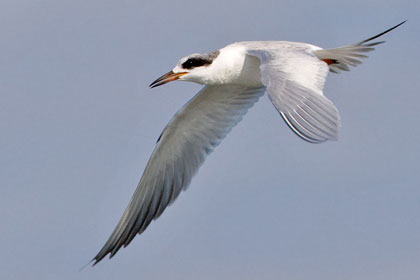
(189, 137)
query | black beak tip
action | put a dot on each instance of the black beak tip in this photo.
(161, 80)
(155, 84)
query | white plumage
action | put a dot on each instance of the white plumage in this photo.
(235, 77)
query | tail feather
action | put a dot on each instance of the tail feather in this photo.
(339, 59)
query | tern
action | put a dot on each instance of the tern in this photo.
(234, 78)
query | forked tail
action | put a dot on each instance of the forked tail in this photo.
(339, 59)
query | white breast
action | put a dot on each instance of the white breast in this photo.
(234, 66)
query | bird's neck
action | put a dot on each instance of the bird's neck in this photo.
(234, 66)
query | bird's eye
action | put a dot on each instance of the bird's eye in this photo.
(194, 62)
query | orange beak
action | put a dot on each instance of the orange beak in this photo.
(168, 77)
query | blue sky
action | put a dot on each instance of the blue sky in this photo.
(78, 124)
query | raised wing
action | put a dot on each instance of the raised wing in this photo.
(339, 59)
(189, 137)
(294, 78)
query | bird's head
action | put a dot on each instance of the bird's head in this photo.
(194, 68)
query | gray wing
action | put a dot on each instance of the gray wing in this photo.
(339, 59)
(294, 78)
(294, 74)
(188, 138)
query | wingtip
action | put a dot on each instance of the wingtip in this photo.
(382, 33)
(96, 260)
(401, 23)
(87, 264)
(99, 257)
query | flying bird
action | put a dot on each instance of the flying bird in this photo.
(234, 78)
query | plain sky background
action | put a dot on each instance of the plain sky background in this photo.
(78, 123)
